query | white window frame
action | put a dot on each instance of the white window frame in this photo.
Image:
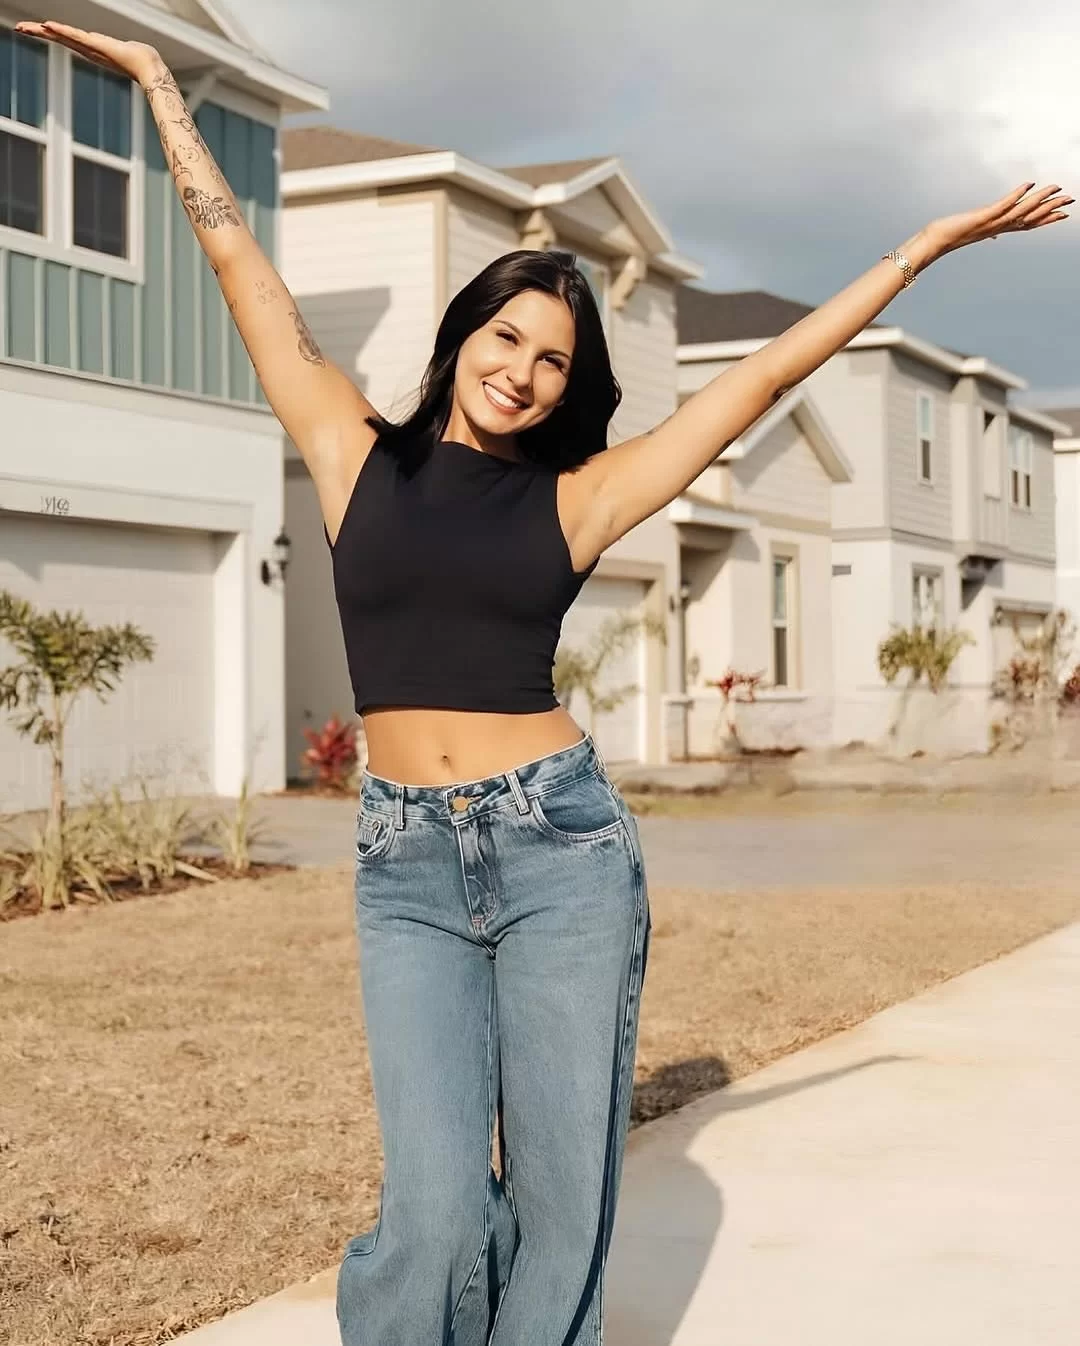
(57, 243)
(924, 399)
(927, 583)
(789, 558)
(1021, 469)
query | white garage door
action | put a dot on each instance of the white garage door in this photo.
(158, 724)
(619, 732)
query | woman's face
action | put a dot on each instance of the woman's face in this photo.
(512, 372)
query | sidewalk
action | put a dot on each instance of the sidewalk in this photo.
(913, 1180)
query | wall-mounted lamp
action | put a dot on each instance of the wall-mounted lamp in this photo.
(275, 568)
(684, 596)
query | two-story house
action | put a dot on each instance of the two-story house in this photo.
(140, 469)
(377, 237)
(1067, 490)
(948, 518)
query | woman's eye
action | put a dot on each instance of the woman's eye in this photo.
(557, 363)
(507, 336)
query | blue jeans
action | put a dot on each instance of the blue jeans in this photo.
(503, 927)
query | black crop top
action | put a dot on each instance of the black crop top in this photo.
(452, 582)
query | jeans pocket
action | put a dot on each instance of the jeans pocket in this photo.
(582, 810)
(374, 836)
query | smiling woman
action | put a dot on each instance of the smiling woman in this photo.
(501, 901)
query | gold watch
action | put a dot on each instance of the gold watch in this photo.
(904, 265)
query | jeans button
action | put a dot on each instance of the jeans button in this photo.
(460, 803)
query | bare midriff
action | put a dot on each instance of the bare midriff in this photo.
(421, 746)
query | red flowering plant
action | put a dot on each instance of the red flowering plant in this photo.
(331, 756)
(735, 686)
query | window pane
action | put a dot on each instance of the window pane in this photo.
(31, 77)
(21, 199)
(924, 459)
(84, 104)
(1015, 490)
(779, 602)
(780, 656)
(100, 208)
(116, 115)
(1027, 491)
(925, 417)
(101, 109)
(7, 72)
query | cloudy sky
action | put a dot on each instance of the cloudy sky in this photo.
(786, 144)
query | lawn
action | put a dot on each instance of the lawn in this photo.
(186, 1121)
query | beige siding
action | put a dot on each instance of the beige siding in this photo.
(478, 232)
(916, 506)
(782, 475)
(1031, 532)
(364, 270)
(849, 391)
(593, 212)
(642, 339)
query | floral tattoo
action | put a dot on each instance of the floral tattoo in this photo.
(209, 212)
(307, 345)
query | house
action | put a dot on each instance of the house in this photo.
(1067, 487)
(377, 237)
(140, 468)
(947, 519)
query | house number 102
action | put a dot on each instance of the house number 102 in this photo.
(55, 504)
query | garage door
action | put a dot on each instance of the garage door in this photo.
(159, 722)
(620, 731)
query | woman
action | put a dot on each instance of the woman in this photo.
(501, 904)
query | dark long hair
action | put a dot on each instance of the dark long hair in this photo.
(577, 428)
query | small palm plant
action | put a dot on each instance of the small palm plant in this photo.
(61, 656)
(582, 669)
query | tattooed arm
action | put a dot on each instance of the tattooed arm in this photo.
(321, 409)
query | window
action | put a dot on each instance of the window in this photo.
(70, 159)
(924, 415)
(101, 165)
(23, 101)
(991, 449)
(927, 605)
(1021, 454)
(783, 611)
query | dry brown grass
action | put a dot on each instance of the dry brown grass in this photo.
(186, 1121)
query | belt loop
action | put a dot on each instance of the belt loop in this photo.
(599, 754)
(517, 791)
(399, 807)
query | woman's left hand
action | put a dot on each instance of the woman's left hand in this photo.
(1021, 211)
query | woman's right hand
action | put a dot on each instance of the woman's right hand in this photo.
(134, 59)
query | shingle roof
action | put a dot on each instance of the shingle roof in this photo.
(536, 175)
(322, 146)
(705, 316)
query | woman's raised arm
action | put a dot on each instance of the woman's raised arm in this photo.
(321, 409)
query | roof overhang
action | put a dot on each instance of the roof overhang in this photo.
(880, 338)
(1069, 444)
(449, 166)
(799, 405)
(186, 47)
(1041, 420)
(693, 509)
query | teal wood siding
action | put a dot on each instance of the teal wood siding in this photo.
(174, 330)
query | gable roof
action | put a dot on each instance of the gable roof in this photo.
(706, 315)
(1070, 416)
(325, 146)
(204, 38)
(325, 159)
(727, 326)
(536, 175)
(800, 406)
